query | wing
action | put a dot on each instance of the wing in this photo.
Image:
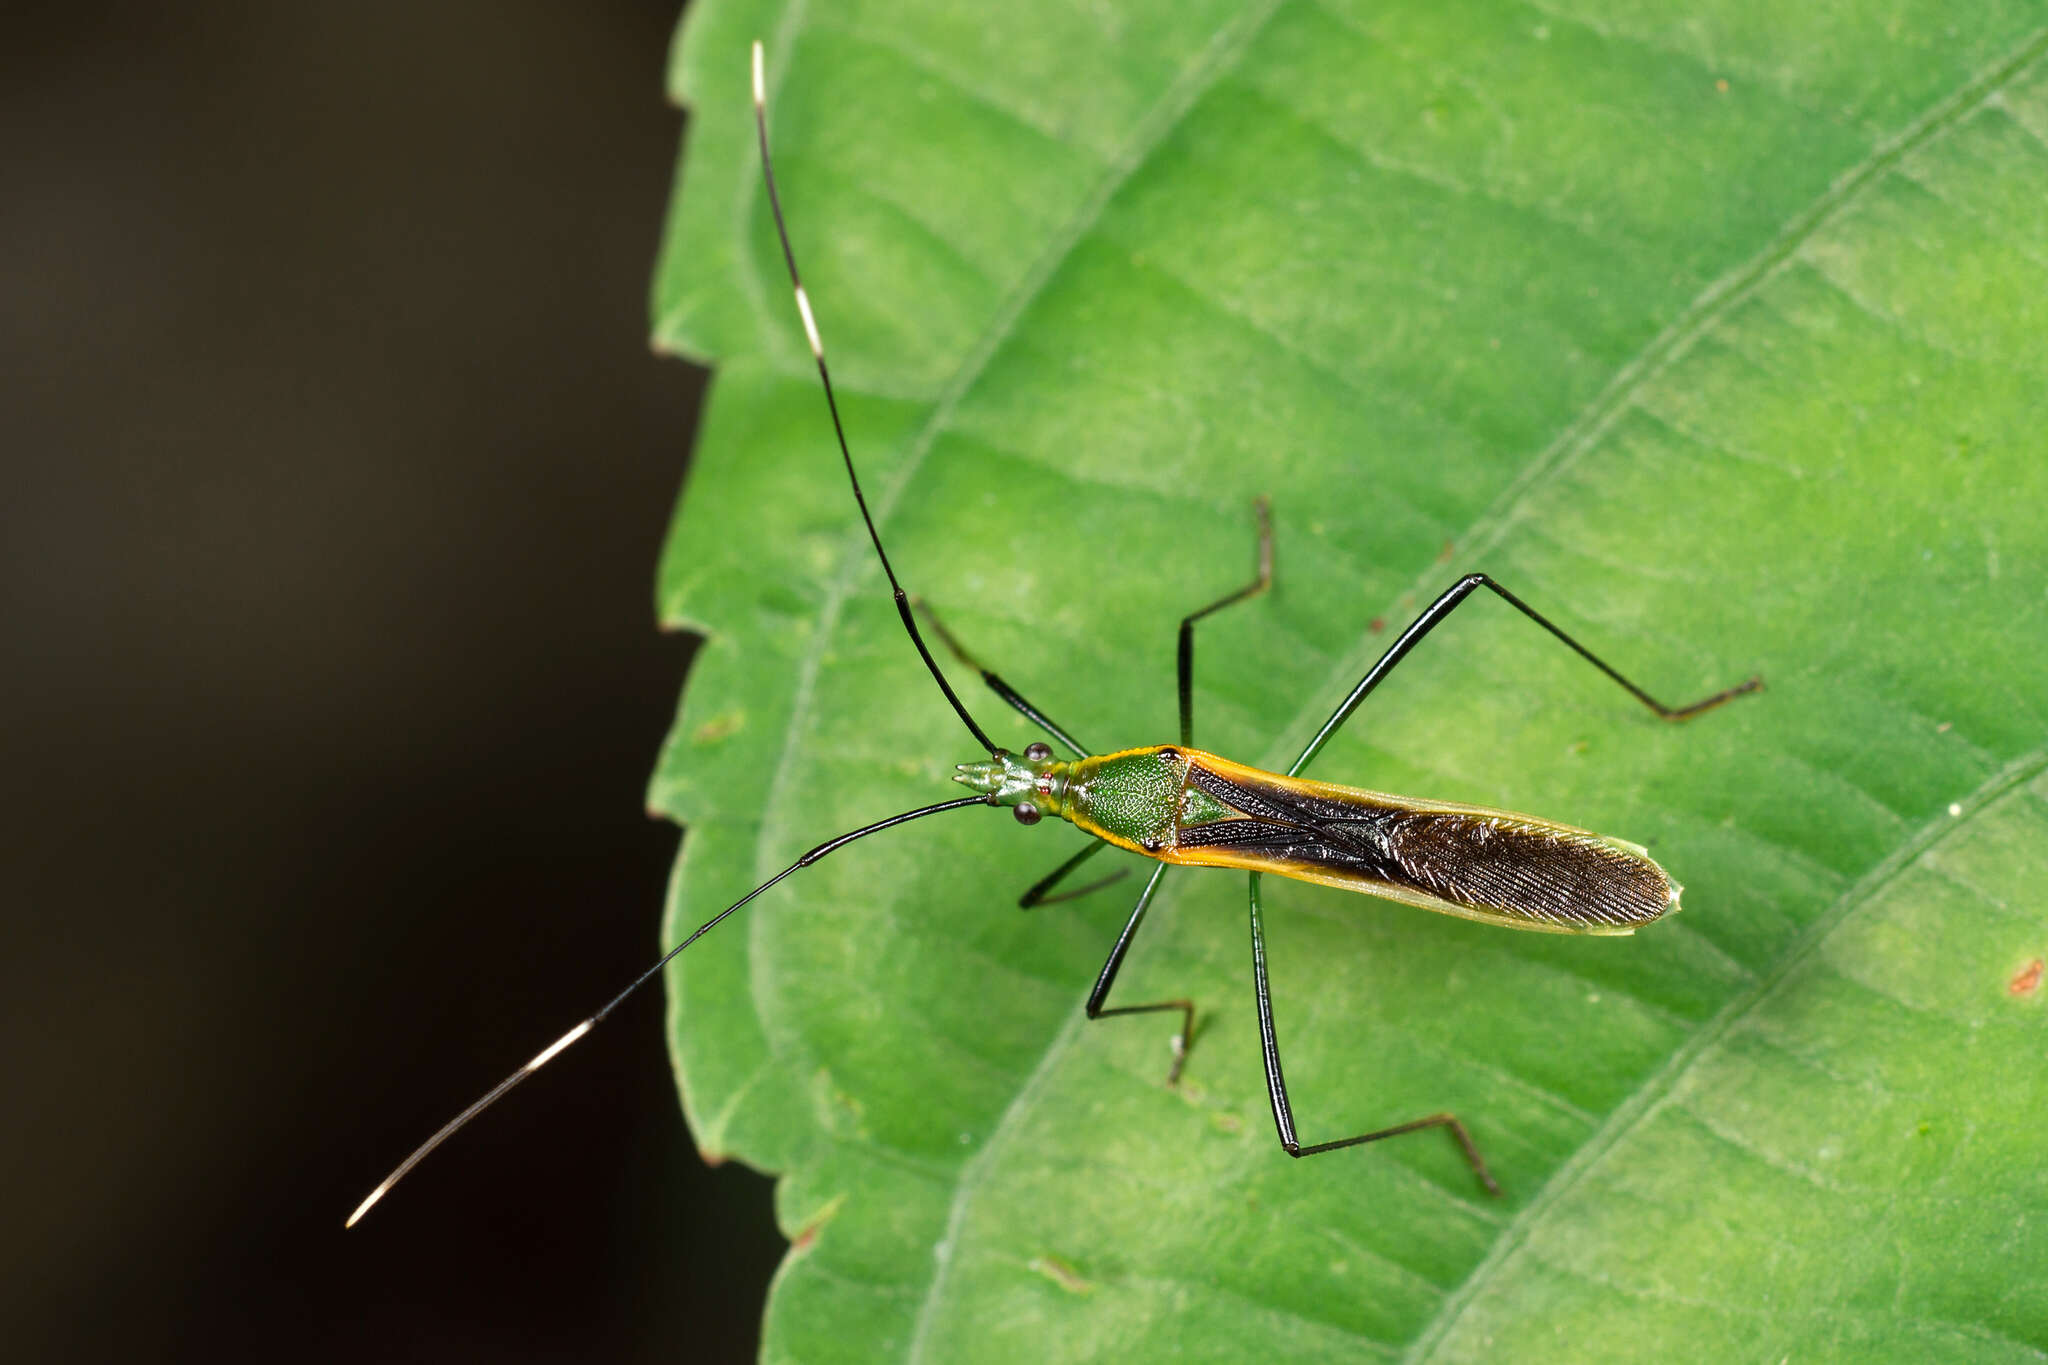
(1491, 865)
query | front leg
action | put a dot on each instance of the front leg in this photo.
(1107, 978)
(1041, 890)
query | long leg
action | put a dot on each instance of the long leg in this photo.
(1185, 669)
(1107, 978)
(1276, 1083)
(1434, 614)
(1041, 890)
(996, 684)
(1184, 664)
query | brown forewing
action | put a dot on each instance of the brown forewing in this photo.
(1471, 861)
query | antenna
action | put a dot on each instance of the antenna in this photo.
(561, 1044)
(803, 308)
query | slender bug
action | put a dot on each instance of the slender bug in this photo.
(1180, 806)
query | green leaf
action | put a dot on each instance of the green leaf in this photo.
(1719, 335)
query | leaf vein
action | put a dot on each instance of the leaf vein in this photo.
(1660, 1087)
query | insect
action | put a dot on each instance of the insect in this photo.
(1181, 806)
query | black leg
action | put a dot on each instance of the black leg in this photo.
(1184, 665)
(996, 684)
(1442, 607)
(1040, 892)
(1107, 978)
(1276, 1083)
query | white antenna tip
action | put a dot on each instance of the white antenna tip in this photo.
(803, 305)
(760, 93)
(548, 1054)
(364, 1207)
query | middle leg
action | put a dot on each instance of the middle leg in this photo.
(1185, 671)
(1184, 652)
(1107, 978)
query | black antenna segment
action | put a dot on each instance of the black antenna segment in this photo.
(803, 308)
(552, 1050)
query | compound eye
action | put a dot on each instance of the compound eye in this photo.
(1026, 813)
(1038, 753)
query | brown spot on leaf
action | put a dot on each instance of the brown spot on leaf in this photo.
(807, 1235)
(1061, 1274)
(718, 727)
(2027, 979)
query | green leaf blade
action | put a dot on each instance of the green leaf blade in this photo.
(1865, 1099)
(1727, 381)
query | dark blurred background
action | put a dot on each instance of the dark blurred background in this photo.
(336, 466)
